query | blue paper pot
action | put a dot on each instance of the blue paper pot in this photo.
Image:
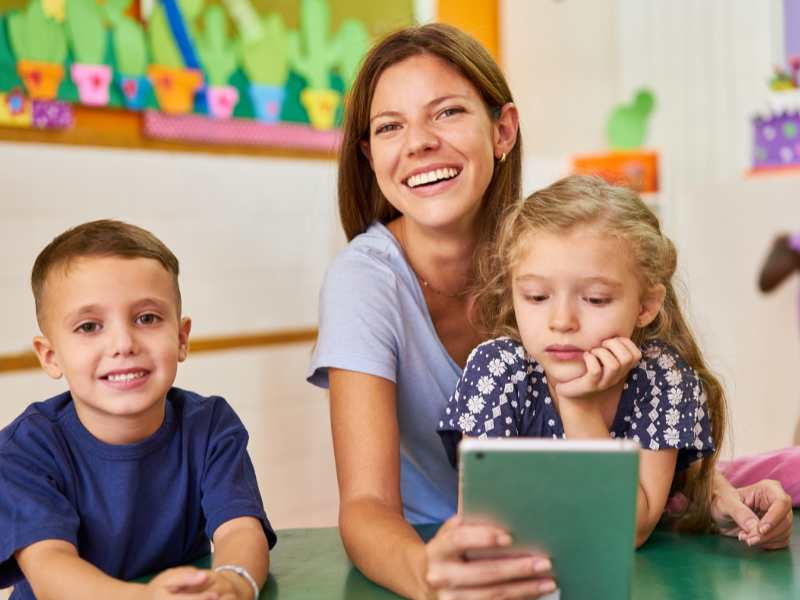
(267, 101)
(134, 90)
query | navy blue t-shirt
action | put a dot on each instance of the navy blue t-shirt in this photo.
(130, 510)
(503, 393)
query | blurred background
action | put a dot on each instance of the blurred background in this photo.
(255, 224)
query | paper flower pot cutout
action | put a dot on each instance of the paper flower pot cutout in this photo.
(175, 88)
(267, 101)
(41, 79)
(222, 100)
(134, 90)
(321, 105)
(92, 82)
(16, 109)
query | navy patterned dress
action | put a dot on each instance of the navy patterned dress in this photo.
(503, 393)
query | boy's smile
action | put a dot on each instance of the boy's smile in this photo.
(112, 329)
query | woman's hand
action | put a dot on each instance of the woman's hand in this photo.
(759, 515)
(606, 366)
(450, 575)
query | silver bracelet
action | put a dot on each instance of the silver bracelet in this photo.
(242, 572)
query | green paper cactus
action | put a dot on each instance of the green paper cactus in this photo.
(216, 51)
(266, 59)
(162, 44)
(627, 125)
(36, 37)
(86, 32)
(130, 47)
(352, 42)
(311, 54)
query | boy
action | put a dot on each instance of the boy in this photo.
(123, 475)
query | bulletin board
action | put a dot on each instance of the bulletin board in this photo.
(260, 76)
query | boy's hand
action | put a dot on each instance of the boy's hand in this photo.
(229, 586)
(182, 583)
(606, 366)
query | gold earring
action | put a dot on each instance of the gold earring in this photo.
(502, 158)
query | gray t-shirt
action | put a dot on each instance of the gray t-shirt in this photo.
(373, 319)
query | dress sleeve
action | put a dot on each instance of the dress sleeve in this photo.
(670, 409)
(485, 402)
(359, 320)
(229, 486)
(33, 506)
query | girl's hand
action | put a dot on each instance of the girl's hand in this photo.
(759, 515)
(451, 576)
(606, 366)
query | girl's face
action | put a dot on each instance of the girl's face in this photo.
(572, 290)
(432, 144)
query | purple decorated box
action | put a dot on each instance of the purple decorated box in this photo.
(776, 141)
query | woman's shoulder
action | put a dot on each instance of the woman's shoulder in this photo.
(373, 255)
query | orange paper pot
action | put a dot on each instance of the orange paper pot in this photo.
(321, 107)
(636, 169)
(41, 79)
(175, 88)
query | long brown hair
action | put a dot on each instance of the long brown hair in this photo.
(621, 213)
(360, 200)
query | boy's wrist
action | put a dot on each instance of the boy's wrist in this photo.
(246, 587)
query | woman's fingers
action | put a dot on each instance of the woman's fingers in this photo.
(517, 590)
(486, 572)
(456, 540)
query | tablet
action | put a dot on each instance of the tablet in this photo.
(574, 500)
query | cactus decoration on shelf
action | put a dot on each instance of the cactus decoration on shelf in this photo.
(198, 56)
(218, 55)
(627, 125)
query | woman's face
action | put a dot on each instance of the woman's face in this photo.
(432, 144)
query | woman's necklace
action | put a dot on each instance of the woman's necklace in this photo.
(424, 282)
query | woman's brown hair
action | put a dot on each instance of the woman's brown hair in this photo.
(619, 212)
(360, 199)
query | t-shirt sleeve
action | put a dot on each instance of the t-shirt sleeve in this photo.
(229, 487)
(485, 402)
(33, 506)
(359, 319)
(670, 410)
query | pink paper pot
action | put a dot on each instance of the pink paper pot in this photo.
(92, 82)
(222, 100)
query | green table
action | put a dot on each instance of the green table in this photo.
(310, 564)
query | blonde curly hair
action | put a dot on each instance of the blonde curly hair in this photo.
(581, 200)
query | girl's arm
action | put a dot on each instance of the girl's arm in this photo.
(366, 442)
(583, 420)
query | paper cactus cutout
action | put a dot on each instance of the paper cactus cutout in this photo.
(248, 23)
(311, 53)
(36, 37)
(86, 32)
(162, 44)
(55, 9)
(217, 53)
(266, 59)
(352, 41)
(130, 47)
(627, 125)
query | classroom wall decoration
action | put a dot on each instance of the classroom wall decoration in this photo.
(250, 72)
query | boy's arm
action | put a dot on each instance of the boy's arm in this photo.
(241, 542)
(55, 571)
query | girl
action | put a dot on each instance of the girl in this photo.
(579, 281)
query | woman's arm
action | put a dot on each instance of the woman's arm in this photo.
(366, 442)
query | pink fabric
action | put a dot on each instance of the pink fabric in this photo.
(781, 465)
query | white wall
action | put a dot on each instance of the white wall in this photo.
(708, 62)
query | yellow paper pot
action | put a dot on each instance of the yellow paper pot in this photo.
(41, 79)
(175, 88)
(321, 106)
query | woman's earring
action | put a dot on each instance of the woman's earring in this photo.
(502, 158)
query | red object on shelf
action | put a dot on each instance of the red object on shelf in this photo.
(636, 169)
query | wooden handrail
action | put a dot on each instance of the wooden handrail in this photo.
(27, 360)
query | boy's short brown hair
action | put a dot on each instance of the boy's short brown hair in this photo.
(105, 237)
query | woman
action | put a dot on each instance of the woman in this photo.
(431, 156)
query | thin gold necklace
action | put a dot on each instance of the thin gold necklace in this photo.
(423, 282)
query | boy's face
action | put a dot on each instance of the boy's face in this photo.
(112, 329)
